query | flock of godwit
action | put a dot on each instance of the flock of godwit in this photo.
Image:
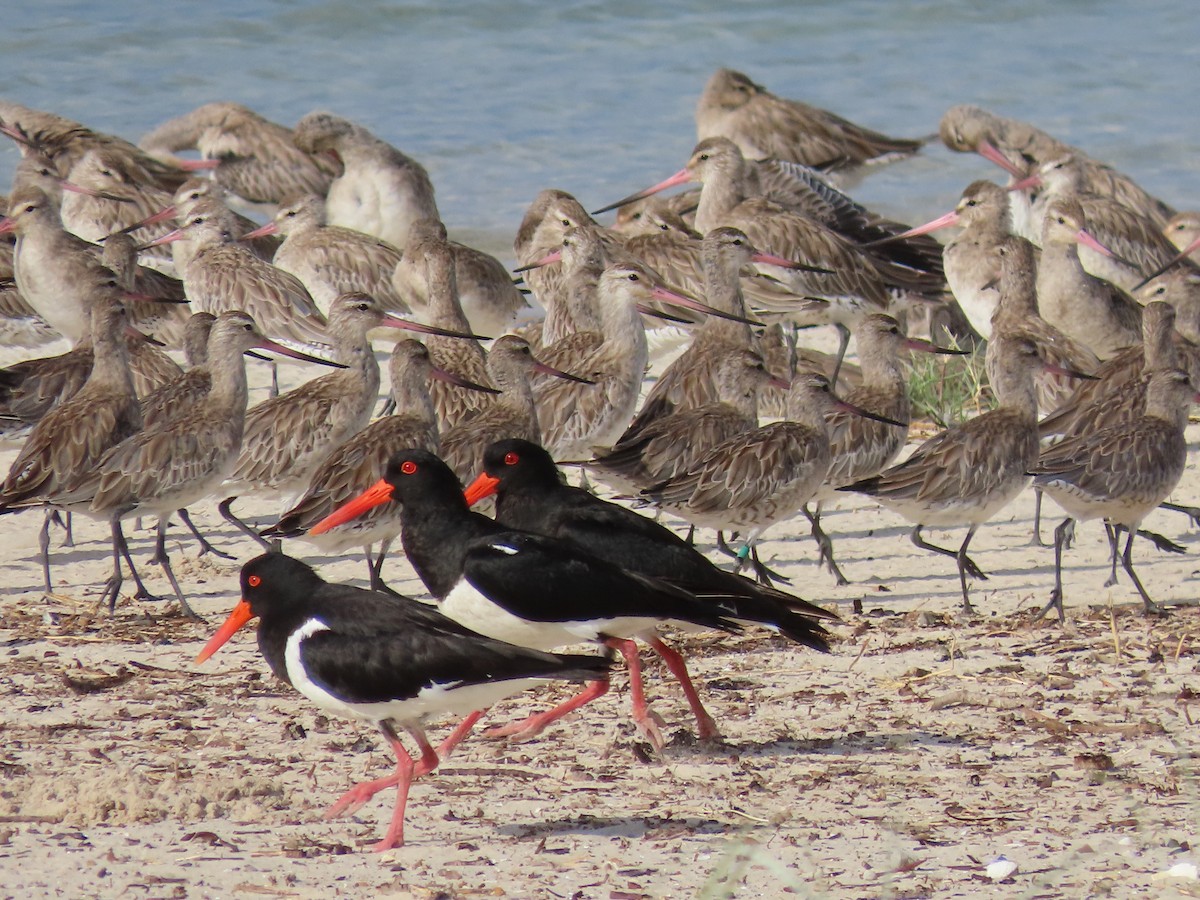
(1082, 285)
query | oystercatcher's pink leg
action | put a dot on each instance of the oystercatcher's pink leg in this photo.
(353, 799)
(535, 724)
(456, 737)
(646, 720)
(706, 726)
(407, 772)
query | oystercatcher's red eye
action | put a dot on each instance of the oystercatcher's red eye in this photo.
(510, 459)
(254, 581)
(408, 467)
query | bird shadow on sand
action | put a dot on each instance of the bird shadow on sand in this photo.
(857, 743)
(633, 826)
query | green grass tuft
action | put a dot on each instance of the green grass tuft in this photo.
(949, 389)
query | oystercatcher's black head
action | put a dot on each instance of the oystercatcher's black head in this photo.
(514, 465)
(270, 583)
(415, 478)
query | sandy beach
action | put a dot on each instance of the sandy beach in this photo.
(906, 763)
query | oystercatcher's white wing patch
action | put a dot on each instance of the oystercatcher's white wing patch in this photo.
(437, 698)
(299, 675)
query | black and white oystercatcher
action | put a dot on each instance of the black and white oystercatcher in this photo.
(532, 495)
(382, 659)
(529, 589)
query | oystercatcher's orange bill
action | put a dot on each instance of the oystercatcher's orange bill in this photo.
(379, 492)
(483, 486)
(240, 616)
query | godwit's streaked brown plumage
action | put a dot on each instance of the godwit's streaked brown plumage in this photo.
(796, 189)
(164, 320)
(758, 478)
(380, 190)
(1017, 317)
(1095, 312)
(59, 274)
(511, 413)
(361, 461)
(1119, 473)
(114, 200)
(71, 439)
(65, 141)
(36, 169)
(181, 460)
(33, 387)
(673, 443)
(969, 258)
(286, 437)
(184, 248)
(777, 345)
(176, 397)
(257, 159)
(331, 260)
(861, 447)
(1133, 246)
(571, 328)
(224, 275)
(56, 271)
(670, 249)
(850, 281)
(570, 302)
(1118, 393)
(803, 190)
(204, 195)
(764, 125)
(688, 381)
(579, 417)
(541, 232)
(969, 472)
(463, 358)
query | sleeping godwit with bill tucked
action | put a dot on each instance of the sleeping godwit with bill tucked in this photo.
(250, 156)
(764, 125)
(380, 190)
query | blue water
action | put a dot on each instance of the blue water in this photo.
(502, 100)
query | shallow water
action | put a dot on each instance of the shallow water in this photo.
(500, 101)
